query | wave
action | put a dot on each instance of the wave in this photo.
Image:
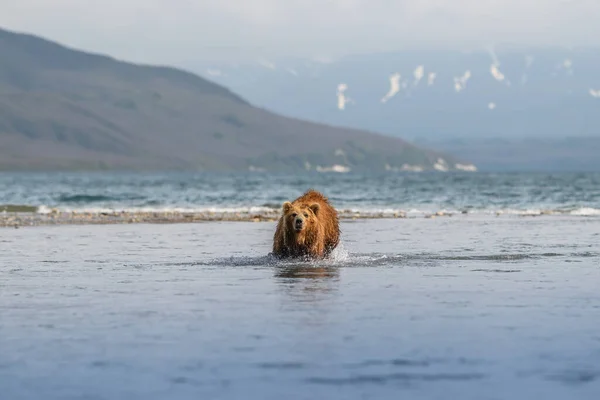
(354, 212)
(341, 258)
(273, 210)
(585, 211)
(85, 198)
(142, 209)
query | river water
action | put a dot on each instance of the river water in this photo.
(414, 194)
(472, 306)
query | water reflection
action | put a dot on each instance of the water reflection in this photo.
(308, 291)
(308, 271)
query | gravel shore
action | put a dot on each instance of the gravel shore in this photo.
(56, 217)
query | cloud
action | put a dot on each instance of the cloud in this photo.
(185, 30)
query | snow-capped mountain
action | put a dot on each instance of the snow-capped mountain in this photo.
(433, 96)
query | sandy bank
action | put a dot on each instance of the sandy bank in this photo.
(19, 219)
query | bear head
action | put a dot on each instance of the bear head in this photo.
(300, 217)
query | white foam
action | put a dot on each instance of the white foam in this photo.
(367, 211)
(43, 210)
(199, 209)
(334, 168)
(441, 165)
(586, 211)
(339, 254)
(412, 168)
(404, 167)
(466, 167)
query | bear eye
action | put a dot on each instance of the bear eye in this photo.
(306, 215)
(294, 215)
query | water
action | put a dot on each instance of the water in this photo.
(471, 306)
(518, 193)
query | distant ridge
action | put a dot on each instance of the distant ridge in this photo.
(66, 109)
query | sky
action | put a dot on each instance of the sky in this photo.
(182, 32)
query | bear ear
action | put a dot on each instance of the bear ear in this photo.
(315, 207)
(287, 206)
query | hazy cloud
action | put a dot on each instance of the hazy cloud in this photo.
(185, 30)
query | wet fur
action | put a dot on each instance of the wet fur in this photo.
(319, 238)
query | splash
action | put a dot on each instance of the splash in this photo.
(595, 93)
(492, 106)
(394, 87)
(340, 254)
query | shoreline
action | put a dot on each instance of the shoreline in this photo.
(23, 219)
(56, 217)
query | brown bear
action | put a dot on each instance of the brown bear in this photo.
(308, 227)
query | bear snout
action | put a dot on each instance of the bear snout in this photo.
(299, 223)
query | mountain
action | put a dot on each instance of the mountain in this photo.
(61, 108)
(439, 98)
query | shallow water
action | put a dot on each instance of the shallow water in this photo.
(464, 307)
